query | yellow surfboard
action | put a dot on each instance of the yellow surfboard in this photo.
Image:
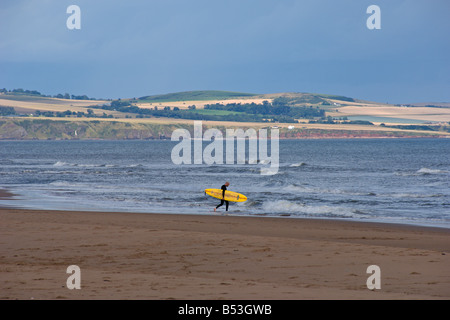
(229, 195)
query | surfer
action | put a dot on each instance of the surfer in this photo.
(224, 188)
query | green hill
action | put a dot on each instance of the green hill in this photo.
(195, 95)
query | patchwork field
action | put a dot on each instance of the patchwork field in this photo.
(422, 120)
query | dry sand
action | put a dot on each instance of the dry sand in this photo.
(166, 256)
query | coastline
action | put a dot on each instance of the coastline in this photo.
(184, 256)
(33, 128)
(6, 195)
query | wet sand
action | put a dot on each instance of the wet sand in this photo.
(5, 195)
(168, 256)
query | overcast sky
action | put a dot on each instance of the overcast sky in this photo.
(142, 47)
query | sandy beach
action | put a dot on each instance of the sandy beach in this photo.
(168, 256)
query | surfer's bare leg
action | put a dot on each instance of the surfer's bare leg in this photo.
(221, 203)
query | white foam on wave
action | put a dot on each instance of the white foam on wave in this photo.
(414, 195)
(430, 171)
(64, 183)
(421, 171)
(135, 165)
(85, 165)
(269, 171)
(285, 206)
(60, 164)
(299, 164)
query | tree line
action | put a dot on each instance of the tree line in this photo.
(279, 107)
(7, 111)
(21, 91)
(79, 114)
(277, 111)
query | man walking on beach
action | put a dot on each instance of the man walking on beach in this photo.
(224, 188)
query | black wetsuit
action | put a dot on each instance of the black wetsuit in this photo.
(224, 188)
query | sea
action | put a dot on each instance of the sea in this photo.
(404, 181)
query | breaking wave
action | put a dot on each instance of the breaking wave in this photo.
(430, 171)
(299, 164)
(300, 209)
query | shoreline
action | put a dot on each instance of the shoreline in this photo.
(184, 256)
(332, 137)
(5, 194)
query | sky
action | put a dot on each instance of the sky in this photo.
(135, 48)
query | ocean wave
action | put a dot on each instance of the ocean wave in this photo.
(7, 162)
(251, 203)
(28, 171)
(295, 208)
(257, 161)
(64, 183)
(67, 164)
(59, 172)
(60, 164)
(283, 206)
(294, 188)
(421, 172)
(269, 171)
(83, 165)
(92, 165)
(430, 171)
(415, 195)
(299, 164)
